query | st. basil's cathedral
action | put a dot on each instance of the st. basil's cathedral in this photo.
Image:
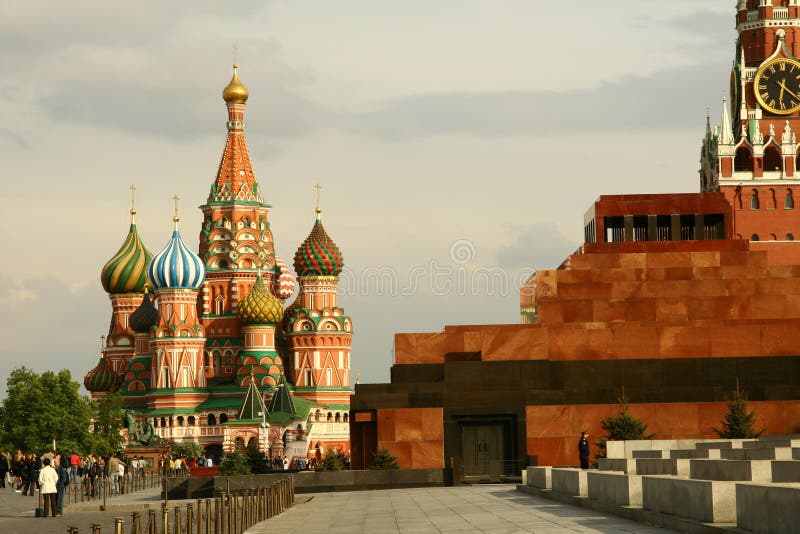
(202, 346)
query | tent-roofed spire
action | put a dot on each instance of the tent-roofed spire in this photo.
(253, 405)
(282, 399)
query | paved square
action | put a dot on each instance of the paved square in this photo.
(482, 508)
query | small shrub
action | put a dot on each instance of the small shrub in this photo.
(621, 427)
(383, 459)
(333, 461)
(738, 423)
(235, 463)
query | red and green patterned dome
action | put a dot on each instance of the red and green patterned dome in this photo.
(144, 317)
(102, 378)
(318, 255)
(260, 306)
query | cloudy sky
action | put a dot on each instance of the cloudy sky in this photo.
(458, 143)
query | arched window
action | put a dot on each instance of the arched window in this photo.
(223, 418)
(754, 205)
(773, 237)
(155, 422)
(771, 202)
(330, 417)
(346, 417)
(191, 420)
(180, 420)
(212, 420)
(163, 422)
(239, 443)
(788, 201)
(754, 237)
(319, 415)
(772, 159)
(338, 417)
(789, 237)
(743, 161)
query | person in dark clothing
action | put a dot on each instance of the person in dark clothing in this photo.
(4, 468)
(583, 449)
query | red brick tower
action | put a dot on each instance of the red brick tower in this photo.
(235, 240)
(752, 155)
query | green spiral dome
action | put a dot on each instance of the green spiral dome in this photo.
(126, 272)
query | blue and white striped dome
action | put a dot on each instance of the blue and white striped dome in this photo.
(176, 267)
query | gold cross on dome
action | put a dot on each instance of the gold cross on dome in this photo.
(235, 55)
(175, 217)
(318, 187)
(133, 202)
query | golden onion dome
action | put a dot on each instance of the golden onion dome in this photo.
(260, 306)
(235, 91)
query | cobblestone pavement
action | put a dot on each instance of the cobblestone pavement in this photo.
(483, 508)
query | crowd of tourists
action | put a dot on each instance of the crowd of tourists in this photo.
(52, 473)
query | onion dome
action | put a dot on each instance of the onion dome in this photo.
(260, 306)
(283, 286)
(144, 317)
(318, 255)
(235, 92)
(102, 378)
(176, 267)
(126, 272)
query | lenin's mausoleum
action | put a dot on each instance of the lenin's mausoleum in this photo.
(670, 301)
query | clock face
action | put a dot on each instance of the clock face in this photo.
(777, 86)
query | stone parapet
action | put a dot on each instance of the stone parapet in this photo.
(614, 488)
(774, 509)
(750, 470)
(540, 477)
(662, 466)
(570, 481)
(709, 501)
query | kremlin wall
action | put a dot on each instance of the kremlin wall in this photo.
(671, 301)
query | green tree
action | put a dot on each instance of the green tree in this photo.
(383, 459)
(235, 463)
(738, 422)
(333, 461)
(189, 449)
(108, 420)
(621, 427)
(256, 459)
(41, 408)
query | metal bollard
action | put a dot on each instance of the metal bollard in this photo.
(164, 521)
(118, 523)
(177, 528)
(72, 530)
(217, 517)
(136, 526)
(96, 528)
(151, 525)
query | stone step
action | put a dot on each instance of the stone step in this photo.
(540, 477)
(648, 454)
(760, 453)
(614, 488)
(626, 465)
(662, 466)
(569, 481)
(785, 471)
(708, 501)
(774, 508)
(750, 470)
(713, 454)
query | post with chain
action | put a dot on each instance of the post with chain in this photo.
(118, 523)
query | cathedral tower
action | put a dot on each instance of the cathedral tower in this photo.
(317, 330)
(177, 369)
(124, 277)
(235, 240)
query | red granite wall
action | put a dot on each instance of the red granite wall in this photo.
(414, 435)
(553, 431)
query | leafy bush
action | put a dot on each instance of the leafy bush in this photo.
(383, 459)
(235, 463)
(189, 449)
(256, 459)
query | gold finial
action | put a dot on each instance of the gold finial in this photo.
(102, 344)
(133, 204)
(175, 218)
(235, 92)
(318, 187)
